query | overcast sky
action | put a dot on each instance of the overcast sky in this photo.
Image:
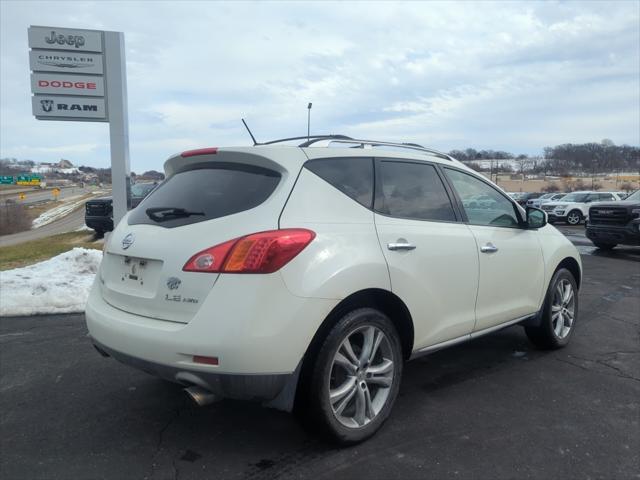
(510, 76)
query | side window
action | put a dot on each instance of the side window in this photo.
(353, 176)
(606, 197)
(483, 204)
(593, 197)
(413, 190)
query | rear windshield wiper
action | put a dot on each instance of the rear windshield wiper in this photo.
(160, 214)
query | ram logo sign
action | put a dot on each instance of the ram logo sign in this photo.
(63, 107)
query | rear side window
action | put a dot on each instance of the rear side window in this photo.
(205, 193)
(413, 190)
(353, 176)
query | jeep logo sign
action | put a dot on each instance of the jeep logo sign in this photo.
(64, 107)
(65, 39)
(74, 40)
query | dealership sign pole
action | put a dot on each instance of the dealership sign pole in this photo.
(79, 75)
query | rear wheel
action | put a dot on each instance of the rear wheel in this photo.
(605, 246)
(355, 377)
(559, 313)
(574, 217)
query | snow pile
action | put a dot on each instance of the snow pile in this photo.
(58, 212)
(58, 285)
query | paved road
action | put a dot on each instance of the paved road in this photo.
(494, 408)
(34, 196)
(69, 223)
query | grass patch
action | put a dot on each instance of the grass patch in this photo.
(28, 253)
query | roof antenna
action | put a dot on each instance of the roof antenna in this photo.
(252, 137)
(309, 120)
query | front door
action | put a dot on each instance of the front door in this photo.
(511, 263)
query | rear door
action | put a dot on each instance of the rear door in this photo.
(431, 254)
(207, 201)
(511, 263)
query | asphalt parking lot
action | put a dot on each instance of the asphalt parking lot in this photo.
(492, 408)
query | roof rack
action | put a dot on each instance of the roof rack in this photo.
(360, 143)
(307, 137)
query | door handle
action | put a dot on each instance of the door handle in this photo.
(400, 246)
(488, 248)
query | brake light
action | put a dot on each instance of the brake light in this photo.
(205, 360)
(264, 252)
(199, 151)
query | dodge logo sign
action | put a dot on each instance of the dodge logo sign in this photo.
(127, 241)
(173, 283)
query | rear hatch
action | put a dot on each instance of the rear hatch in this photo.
(99, 207)
(206, 200)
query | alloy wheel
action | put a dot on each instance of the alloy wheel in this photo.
(362, 373)
(563, 308)
(573, 218)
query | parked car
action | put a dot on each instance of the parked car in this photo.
(547, 197)
(526, 196)
(98, 213)
(274, 273)
(573, 208)
(615, 223)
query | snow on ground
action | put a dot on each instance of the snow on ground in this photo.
(58, 285)
(54, 214)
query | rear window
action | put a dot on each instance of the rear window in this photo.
(353, 176)
(204, 194)
(413, 190)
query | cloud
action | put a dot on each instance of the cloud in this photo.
(512, 76)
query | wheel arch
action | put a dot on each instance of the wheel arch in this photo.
(385, 301)
(573, 266)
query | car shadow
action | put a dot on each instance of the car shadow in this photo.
(207, 437)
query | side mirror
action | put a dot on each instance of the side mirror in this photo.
(536, 218)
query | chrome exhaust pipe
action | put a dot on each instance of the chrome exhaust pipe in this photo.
(201, 395)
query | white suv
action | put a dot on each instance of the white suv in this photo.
(573, 208)
(304, 276)
(546, 198)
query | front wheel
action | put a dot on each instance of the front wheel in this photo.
(355, 377)
(559, 313)
(574, 217)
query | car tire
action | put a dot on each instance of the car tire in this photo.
(605, 246)
(559, 313)
(574, 217)
(362, 400)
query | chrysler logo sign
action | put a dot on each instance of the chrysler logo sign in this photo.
(66, 61)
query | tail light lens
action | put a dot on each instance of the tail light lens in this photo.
(199, 151)
(264, 252)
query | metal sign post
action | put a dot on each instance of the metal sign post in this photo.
(118, 123)
(80, 75)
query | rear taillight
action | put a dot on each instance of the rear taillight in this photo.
(199, 151)
(264, 252)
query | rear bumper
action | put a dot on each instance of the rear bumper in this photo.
(555, 216)
(277, 389)
(104, 224)
(626, 235)
(259, 339)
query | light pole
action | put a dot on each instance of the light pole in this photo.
(309, 120)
